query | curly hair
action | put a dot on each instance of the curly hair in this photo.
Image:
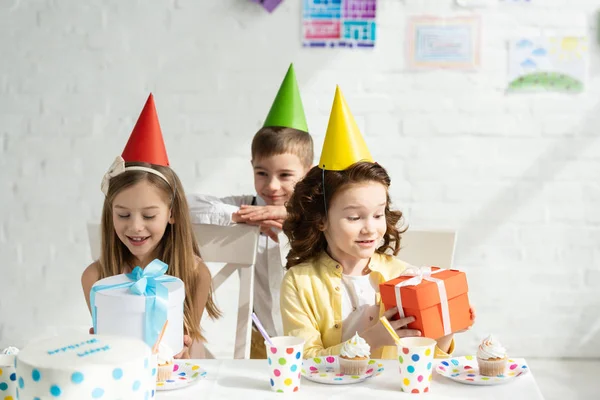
(307, 214)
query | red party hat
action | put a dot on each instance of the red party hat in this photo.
(146, 142)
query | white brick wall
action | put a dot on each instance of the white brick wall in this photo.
(517, 176)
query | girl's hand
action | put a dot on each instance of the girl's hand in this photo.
(185, 353)
(399, 325)
(378, 335)
(92, 330)
(472, 312)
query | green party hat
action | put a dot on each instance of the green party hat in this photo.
(287, 110)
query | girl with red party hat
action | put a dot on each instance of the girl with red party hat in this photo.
(146, 216)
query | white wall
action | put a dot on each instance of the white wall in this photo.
(518, 176)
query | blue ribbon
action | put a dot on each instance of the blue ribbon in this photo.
(144, 282)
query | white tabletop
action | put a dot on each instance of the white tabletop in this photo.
(239, 379)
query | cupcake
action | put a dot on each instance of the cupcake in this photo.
(491, 357)
(165, 362)
(354, 356)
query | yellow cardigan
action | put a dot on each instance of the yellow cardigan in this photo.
(311, 304)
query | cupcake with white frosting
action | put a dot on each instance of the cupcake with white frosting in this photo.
(491, 357)
(165, 362)
(354, 356)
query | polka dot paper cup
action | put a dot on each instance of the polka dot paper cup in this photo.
(285, 363)
(415, 355)
(8, 377)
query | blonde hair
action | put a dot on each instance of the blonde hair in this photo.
(274, 140)
(178, 247)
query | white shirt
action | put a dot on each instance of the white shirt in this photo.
(359, 304)
(268, 270)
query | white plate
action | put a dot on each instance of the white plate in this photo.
(327, 370)
(465, 370)
(184, 374)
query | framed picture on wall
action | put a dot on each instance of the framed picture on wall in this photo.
(443, 43)
(548, 64)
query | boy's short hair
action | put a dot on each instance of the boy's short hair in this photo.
(274, 140)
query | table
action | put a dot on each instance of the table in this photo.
(239, 379)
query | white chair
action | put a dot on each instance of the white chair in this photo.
(428, 248)
(234, 245)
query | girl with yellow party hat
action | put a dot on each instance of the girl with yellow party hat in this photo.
(343, 236)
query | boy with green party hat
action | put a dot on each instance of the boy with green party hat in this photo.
(282, 153)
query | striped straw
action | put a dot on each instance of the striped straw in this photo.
(389, 328)
(261, 329)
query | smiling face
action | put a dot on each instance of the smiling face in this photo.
(275, 177)
(356, 222)
(140, 216)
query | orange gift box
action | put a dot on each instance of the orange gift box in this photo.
(423, 301)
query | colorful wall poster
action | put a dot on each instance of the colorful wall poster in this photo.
(548, 64)
(343, 23)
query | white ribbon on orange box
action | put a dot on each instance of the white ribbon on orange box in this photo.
(418, 276)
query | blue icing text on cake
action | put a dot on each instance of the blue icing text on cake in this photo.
(78, 345)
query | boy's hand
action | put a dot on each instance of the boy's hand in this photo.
(269, 232)
(260, 213)
(266, 217)
(266, 228)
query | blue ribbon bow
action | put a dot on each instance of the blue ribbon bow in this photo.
(144, 282)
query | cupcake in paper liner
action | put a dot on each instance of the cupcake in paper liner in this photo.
(165, 362)
(491, 357)
(354, 356)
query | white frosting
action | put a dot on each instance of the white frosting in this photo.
(10, 350)
(490, 347)
(165, 354)
(83, 366)
(355, 347)
(122, 313)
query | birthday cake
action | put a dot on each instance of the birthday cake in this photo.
(82, 366)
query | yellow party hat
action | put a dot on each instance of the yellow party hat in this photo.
(344, 144)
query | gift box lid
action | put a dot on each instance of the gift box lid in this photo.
(426, 294)
(134, 302)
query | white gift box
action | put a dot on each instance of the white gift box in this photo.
(123, 313)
